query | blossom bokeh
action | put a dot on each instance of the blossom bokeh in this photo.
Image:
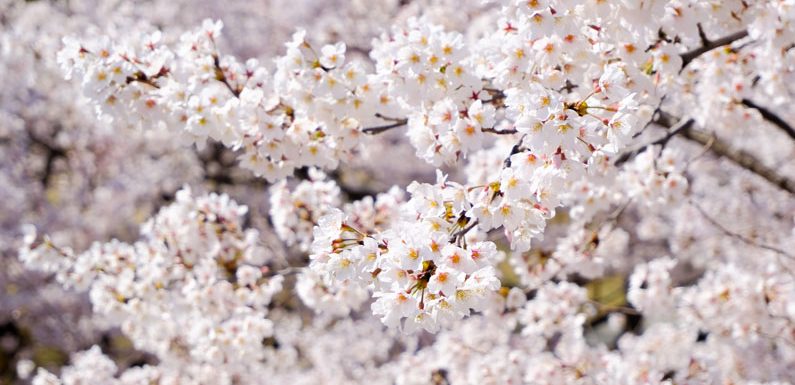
(397, 192)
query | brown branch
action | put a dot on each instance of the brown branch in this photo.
(492, 130)
(672, 131)
(52, 152)
(141, 77)
(496, 95)
(709, 45)
(771, 117)
(702, 35)
(454, 236)
(517, 148)
(389, 118)
(717, 146)
(221, 76)
(387, 127)
(741, 158)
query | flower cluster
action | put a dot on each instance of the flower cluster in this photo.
(197, 270)
(422, 269)
(278, 120)
(655, 177)
(294, 212)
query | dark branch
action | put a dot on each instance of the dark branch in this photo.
(672, 131)
(141, 77)
(463, 231)
(709, 45)
(52, 152)
(221, 76)
(496, 95)
(702, 35)
(771, 117)
(388, 118)
(741, 158)
(514, 150)
(718, 147)
(492, 130)
(387, 127)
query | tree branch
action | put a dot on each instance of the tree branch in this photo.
(741, 158)
(771, 117)
(738, 236)
(141, 77)
(387, 127)
(717, 146)
(709, 45)
(514, 150)
(492, 130)
(221, 76)
(454, 236)
(672, 131)
(52, 152)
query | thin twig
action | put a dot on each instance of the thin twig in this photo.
(221, 76)
(736, 235)
(654, 117)
(703, 152)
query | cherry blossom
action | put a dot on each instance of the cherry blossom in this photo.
(398, 192)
